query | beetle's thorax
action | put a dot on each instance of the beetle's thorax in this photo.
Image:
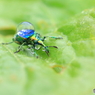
(36, 38)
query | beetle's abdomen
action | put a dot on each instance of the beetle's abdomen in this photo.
(19, 40)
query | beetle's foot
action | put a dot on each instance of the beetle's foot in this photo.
(17, 51)
(37, 56)
(4, 43)
(53, 46)
(59, 38)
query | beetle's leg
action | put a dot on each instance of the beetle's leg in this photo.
(6, 43)
(19, 48)
(40, 42)
(34, 52)
(51, 37)
(46, 50)
(55, 37)
(53, 46)
(44, 38)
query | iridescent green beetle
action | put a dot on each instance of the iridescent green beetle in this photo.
(26, 36)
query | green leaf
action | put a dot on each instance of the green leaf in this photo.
(69, 70)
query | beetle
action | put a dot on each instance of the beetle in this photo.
(26, 36)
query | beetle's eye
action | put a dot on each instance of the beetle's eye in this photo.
(25, 26)
(25, 29)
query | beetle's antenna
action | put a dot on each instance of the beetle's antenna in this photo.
(53, 46)
(6, 43)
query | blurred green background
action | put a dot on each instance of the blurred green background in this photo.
(68, 70)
